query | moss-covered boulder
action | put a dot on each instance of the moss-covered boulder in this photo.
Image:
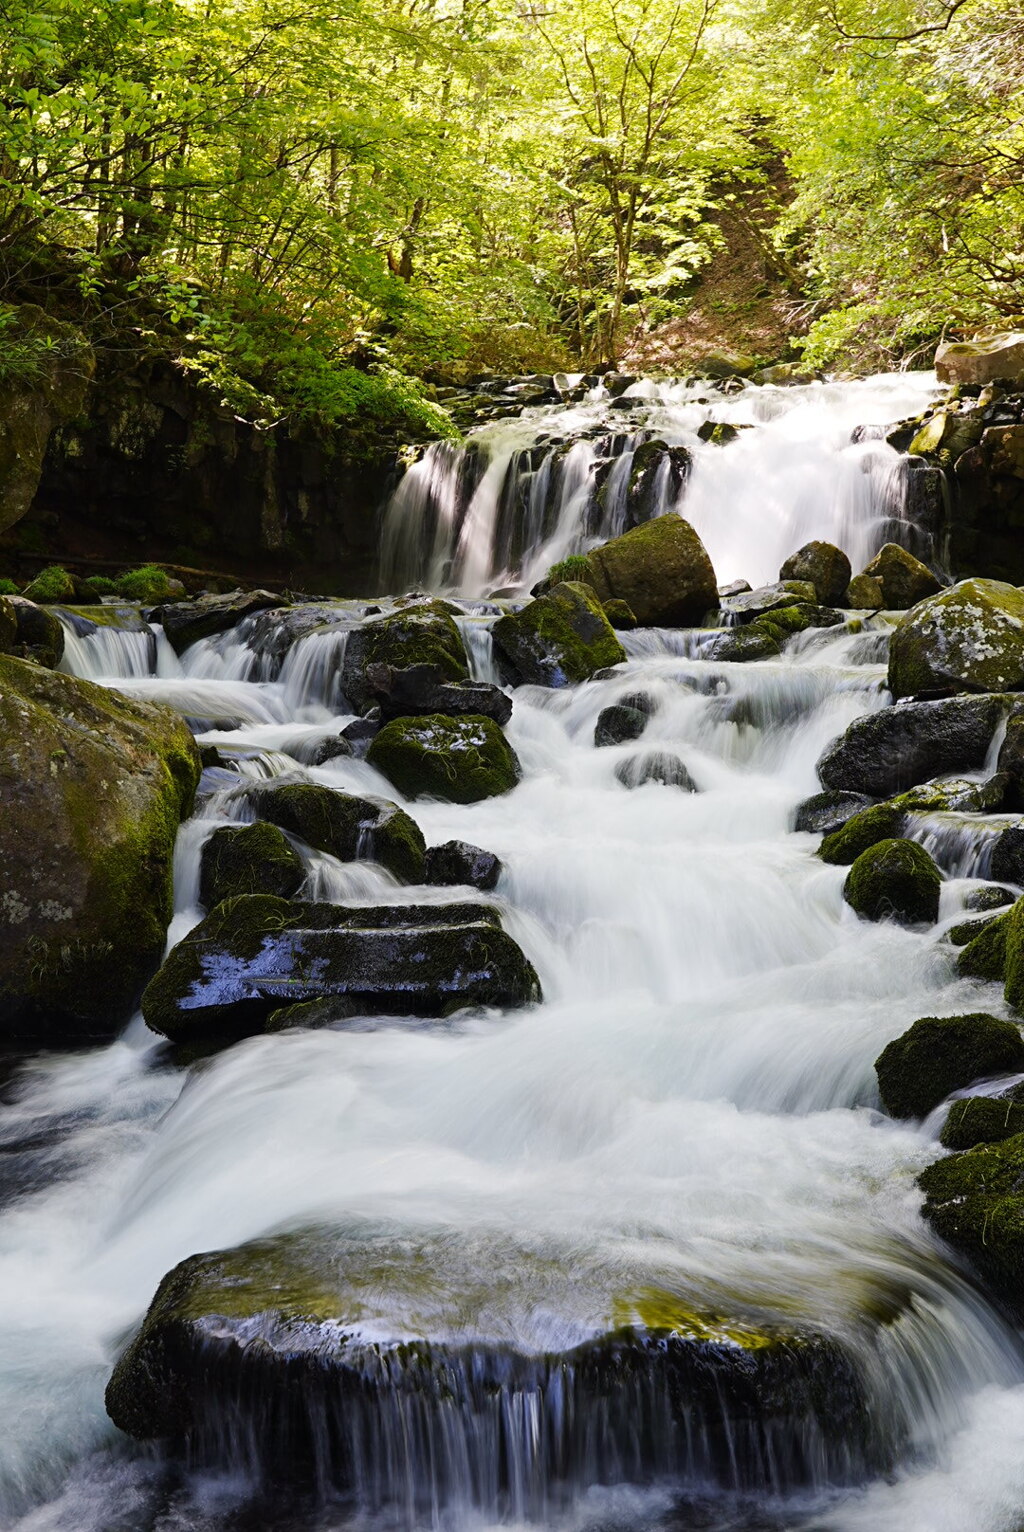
(989, 896)
(974, 1202)
(1007, 860)
(306, 1343)
(864, 594)
(981, 1120)
(738, 645)
(825, 566)
(964, 932)
(185, 622)
(749, 605)
(894, 880)
(620, 615)
(898, 747)
(825, 813)
(882, 821)
(39, 635)
(344, 825)
(941, 1054)
(984, 956)
(558, 640)
(255, 953)
(659, 766)
(93, 788)
(969, 638)
(1013, 973)
(422, 633)
(661, 570)
(252, 859)
(459, 760)
(457, 862)
(904, 580)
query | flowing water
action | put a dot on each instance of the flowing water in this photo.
(692, 1107)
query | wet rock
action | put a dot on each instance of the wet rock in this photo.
(423, 633)
(93, 788)
(861, 831)
(825, 566)
(941, 1054)
(737, 645)
(894, 880)
(618, 724)
(782, 622)
(966, 930)
(657, 475)
(39, 635)
(1013, 924)
(334, 748)
(718, 432)
(314, 1015)
(896, 748)
(1011, 759)
(989, 897)
(751, 604)
(421, 689)
(344, 825)
(558, 639)
(984, 956)
(252, 859)
(8, 625)
(903, 578)
(969, 638)
(981, 361)
(981, 1120)
(458, 760)
(659, 766)
(457, 862)
(619, 615)
(825, 813)
(360, 734)
(973, 1202)
(661, 570)
(227, 976)
(734, 588)
(184, 622)
(864, 594)
(954, 795)
(1007, 861)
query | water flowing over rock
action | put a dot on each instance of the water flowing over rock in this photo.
(423, 633)
(344, 825)
(973, 1202)
(186, 621)
(969, 638)
(894, 880)
(254, 859)
(981, 1120)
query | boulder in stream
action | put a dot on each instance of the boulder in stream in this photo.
(981, 1120)
(941, 1054)
(659, 766)
(864, 594)
(878, 822)
(825, 566)
(825, 813)
(898, 747)
(39, 634)
(969, 638)
(456, 862)
(94, 786)
(661, 570)
(256, 953)
(185, 622)
(249, 859)
(559, 639)
(457, 760)
(420, 634)
(418, 690)
(984, 956)
(618, 724)
(344, 825)
(903, 578)
(973, 1201)
(894, 880)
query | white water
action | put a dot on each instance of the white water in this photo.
(692, 1106)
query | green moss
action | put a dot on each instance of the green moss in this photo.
(662, 1312)
(575, 567)
(52, 585)
(984, 956)
(458, 760)
(970, 638)
(560, 639)
(346, 826)
(981, 1120)
(620, 615)
(974, 1202)
(894, 880)
(148, 583)
(8, 588)
(966, 930)
(251, 859)
(1014, 971)
(424, 633)
(883, 821)
(941, 1054)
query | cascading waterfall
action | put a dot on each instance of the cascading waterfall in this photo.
(691, 1110)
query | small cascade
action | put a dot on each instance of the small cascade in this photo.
(106, 652)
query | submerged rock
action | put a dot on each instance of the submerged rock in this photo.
(659, 766)
(894, 880)
(974, 1202)
(941, 1054)
(423, 633)
(969, 638)
(457, 862)
(344, 825)
(981, 1120)
(896, 748)
(825, 813)
(184, 622)
(94, 786)
(254, 953)
(661, 570)
(904, 580)
(558, 639)
(458, 760)
(618, 724)
(825, 566)
(252, 859)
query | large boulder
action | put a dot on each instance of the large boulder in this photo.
(990, 360)
(421, 689)
(249, 859)
(825, 566)
(254, 953)
(558, 640)
(184, 622)
(903, 579)
(984, 956)
(312, 1344)
(39, 635)
(423, 633)
(886, 752)
(974, 1202)
(941, 1054)
(661, 570)
(894, 880)
(343, 825)
(878, 822)
(864, 594)
(969, 638)
(459, 760)
(93, 787)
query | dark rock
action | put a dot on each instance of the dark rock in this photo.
(941, 1054)
(618, 724)
(661, 570)
(825, 813)
(314, 1015)
(966, 930)
(360, 734)
(184, 622)
(898, 747)
(825, 566)
(253, 859)
(344, 825)
(334, 748)
(209, 755)
(894, 880)
(1007, 861)
(457, 862)
(39, 634)
(969, 638)
(988, 897)
(657, 475)
(973, 1202)
(655, 766)
(423, 633)
(903, 578)
(458, 760)
(737, 645)
(1011, 759)
(1013, 925)
(420, 689)
(558, 639)
(981, 1120)
(619, 615)
(227, 976)
(862, 830)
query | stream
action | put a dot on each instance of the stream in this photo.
(692, 1107)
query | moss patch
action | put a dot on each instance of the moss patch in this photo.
(894, 880)
(941, 1054)
(458, 760)
(560, 639)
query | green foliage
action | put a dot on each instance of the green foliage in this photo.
(52, 584)
(8, 588)
(100, 585)
(148, 583)
(23, 355)
(574, 567)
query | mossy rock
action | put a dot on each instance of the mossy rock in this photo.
(661, 570)
(423, 633)
(941, 1054)
(782, 622)
(458, 760)
(457, 862)
(969, 639)
(825, 566)
(618, 724)
(965, 931)
(1013, 921)
(981, 1120)
(903, 578)
(559, 639)
(864, 594)
(894, 880)
(990, 896)
(739, 645)
(973, 1201)
(344, 825)
(94, 787)
(882, 821)
(252, 859)
(620, 614)
(185, 622)
(39, 634)
(984, 956)
(826, 812)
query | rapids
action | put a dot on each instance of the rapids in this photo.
(693, 1104)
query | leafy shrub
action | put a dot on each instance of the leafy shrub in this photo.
(51, 585)
(575, 566)
(148, 583)
(100, 585)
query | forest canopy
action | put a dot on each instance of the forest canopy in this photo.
(315, 195)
